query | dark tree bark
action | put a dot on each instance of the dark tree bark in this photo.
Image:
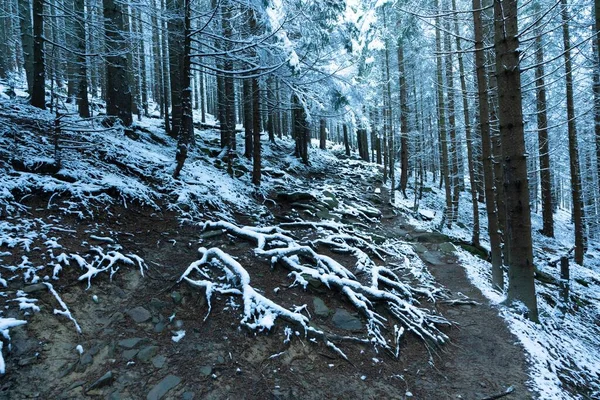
(256, 131)
(118, 93)
(158, 89)
(248, 118)
(38, 93)
(510, 115)
(228, 88)
(543, 140)
(403, 120)
(596, 89)
(165, 77)
(271, 105)
(83, 105)
(573, 147)
(185, 137)
(323, 134)
(301, 129)
(484, 128)
(468, 134)
(453, 150)
(445, 168)
(346, 140)
(26, 26)
(175, 25)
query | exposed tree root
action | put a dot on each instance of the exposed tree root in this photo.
(217, 272)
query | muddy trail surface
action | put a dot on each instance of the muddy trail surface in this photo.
(150, 336)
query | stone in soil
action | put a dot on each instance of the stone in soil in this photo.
(447, 248)
(159, 327)
(206, 370)
(104, 380)
(177, 297)
(320, 308)
(86, 359)
(433, 257)
(147, 353)
(159, 361)
(130, 343)
(162, 387)
(344, 320)
(129, 354)
(139, 314)
(419, 248)
(38, 287)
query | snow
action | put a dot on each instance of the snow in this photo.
(178, 335)
(5, 325)
(79, 349)
(26, 303)
(65, 310)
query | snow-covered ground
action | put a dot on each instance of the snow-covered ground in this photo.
(564, 348)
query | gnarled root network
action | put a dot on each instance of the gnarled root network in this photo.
(218, 272)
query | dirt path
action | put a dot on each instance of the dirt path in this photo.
(484, 358)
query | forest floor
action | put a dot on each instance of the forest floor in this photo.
(216, 359)
(95, 263)
(129, 322)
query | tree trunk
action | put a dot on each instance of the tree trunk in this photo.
(323, 134)
(83, 106)
(166, 77)
(301, 129)
(542, 126)
(573, 147)
(175, 26)
(486, 151)
(510, 115)
(390, 131)
(453, 150)
(256, 131)
(159, 95)
(346, 140)
(26, 26)
(248, 117)
(185, 136)
(118, 93)
(596, 89)
(38, 93)
(445, 169)
(403, 120)
(470, 158)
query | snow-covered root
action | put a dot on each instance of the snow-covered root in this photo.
(260, 312)
(65, 310)
(304, 264)
(5, 325)
(109, 261)
(260, 236)
(417, 320)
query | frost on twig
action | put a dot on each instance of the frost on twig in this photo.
(260, 312)
(65, 310)
(218, 272)
(108, 261)
(5, 325)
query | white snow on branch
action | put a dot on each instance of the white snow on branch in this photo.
(306, 265)
(5, 325)
(178, 335)
(65, 310)
(109, 261)
(25, 303)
